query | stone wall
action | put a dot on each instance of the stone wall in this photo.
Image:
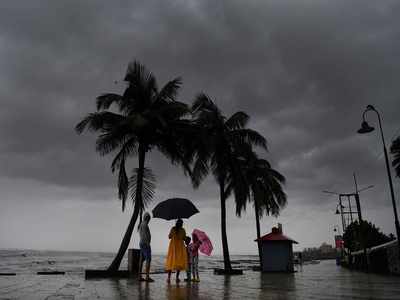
(380, 259)
(393, 259)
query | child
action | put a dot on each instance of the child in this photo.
(189, 269)
(194, 253)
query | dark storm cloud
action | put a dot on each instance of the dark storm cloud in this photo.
(303, 70)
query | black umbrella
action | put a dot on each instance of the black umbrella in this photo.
(175, 208)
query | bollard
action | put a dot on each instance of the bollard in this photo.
(8, 274)
(51, 273)
(133, 261)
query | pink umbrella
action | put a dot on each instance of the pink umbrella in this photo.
(206, 246)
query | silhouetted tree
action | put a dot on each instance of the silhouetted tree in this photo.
(218, 149)
(266, 191)
(143, 118)
(395, 150)
(357, 236)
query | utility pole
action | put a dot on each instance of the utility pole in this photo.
(357, 197)
(350, 211)
(341, 214)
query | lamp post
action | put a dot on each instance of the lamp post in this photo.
(366, 128)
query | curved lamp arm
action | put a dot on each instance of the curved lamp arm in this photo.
(372, 108)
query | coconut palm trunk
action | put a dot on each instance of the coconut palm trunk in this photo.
(225, 248)
(138, 208)
(256, 210)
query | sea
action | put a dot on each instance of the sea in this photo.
(75, 262)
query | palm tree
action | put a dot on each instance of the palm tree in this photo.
(218, 150)
(143, 118)
(395, 150)
(266, 189)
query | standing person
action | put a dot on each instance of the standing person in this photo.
(194, 254)
(189, 256)
(145, 249)
(177, 256)
(300, 257)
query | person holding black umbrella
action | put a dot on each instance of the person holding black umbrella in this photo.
(177, 255)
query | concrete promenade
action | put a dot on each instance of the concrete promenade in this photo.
(322, 281)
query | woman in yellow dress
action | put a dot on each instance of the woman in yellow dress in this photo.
(177, 256)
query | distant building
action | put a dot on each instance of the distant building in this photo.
(326, 248)
(277, 251)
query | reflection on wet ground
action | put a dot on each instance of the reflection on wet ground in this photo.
(322, 281)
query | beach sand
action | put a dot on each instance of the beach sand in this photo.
(322, 281)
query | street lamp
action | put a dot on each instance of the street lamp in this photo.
(366, 128)
(337, 210)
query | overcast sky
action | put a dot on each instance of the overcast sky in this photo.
(304, 70)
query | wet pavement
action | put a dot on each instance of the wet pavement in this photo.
(320, 281)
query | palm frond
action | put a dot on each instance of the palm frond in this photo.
(268, 206)
(237, 121)
(148, 188)
(204, 103)
(122, 184)
(249, 136)
(197, 146)
(276, 176)
(228, 189)
(167, 113)
(140, 77)
(267, 189)
(110, 141)
(262, 163)
(174, 143)
(237, 182)
(200, 170)
(141, 91)
(104, 101)
(170, 90)
(134, 71)
(99, 121)
(129, 148)
(395, 151)
(240, 188)
(175, 155)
